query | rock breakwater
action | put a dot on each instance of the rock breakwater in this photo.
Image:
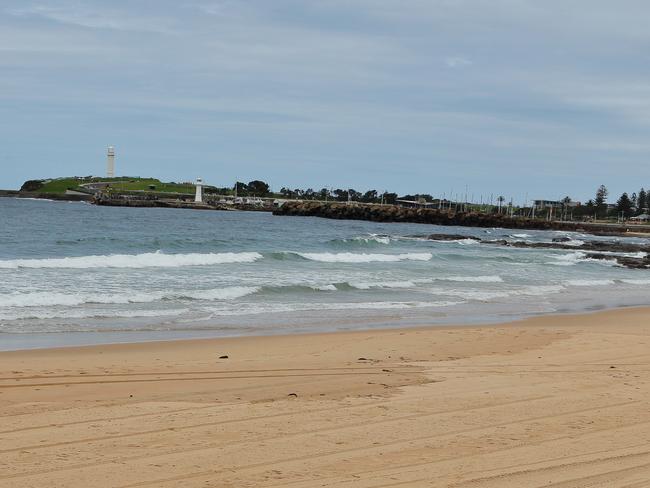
(393, 213)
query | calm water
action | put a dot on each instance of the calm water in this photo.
(76, 273)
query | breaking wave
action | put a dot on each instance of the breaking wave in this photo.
(574, 258)
(348, 257)
(488, 295)
(382, 284)
(146, 260)
(50, 299)
(474, 279)
(590, 282)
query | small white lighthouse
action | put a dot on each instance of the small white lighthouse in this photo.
(199, 191)
(110, 162)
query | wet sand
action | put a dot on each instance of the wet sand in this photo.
(560, 401)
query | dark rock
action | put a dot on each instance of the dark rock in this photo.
(223, 357)
(393, 213)
(32, 185)
(450, 237)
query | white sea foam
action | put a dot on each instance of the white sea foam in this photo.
(256, 309)
(230, 293)
(474, 279)
(636, 282)
(488, 295)
(40, 314)
(324, 287)
(570, 259)
(480, 295)
(146, 260)
(383, 284)
(574, 258)
(373, 238)
(539, 290)
(463, 242)
(590, 282)
(574, 243)
(348, 257)
(521, 236)
(52, 299)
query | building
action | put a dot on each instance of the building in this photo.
(198, 198)
(110, 162)
(542, 204)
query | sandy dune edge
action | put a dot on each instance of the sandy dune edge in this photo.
(551, 401)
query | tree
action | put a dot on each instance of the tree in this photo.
(241, 189)
(390, 198)
(624, 205)
(369, 197)
(601, 200)
(641, 201)
(32, 185)
(340, 195)
(354, 195)
(501, 199)
(258, 188)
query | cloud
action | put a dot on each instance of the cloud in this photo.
(93, 18)
(457, 62)
(334, 89)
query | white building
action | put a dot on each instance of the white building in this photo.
(199, 191)
(110, 162)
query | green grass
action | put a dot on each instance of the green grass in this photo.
(60, 185)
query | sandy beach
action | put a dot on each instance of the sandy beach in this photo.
(560, 401)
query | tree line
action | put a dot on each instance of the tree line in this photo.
(627, 205)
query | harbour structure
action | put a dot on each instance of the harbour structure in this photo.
(199, 191)
(110, 162)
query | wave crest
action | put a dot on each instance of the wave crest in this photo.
(348, 257)
(145, 260)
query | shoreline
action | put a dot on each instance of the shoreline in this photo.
(209, 334)
(551, 399)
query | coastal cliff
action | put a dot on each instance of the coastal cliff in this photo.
(393, 213)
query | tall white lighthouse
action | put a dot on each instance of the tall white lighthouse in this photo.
(110, 162)
(199, 191)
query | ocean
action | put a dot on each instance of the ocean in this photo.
(74, 273)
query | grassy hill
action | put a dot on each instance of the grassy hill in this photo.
(60, 185)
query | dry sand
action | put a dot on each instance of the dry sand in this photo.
(551, 401)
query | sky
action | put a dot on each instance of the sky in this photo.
(523, 98)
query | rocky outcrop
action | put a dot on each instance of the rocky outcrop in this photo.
(591, 246)
(392, 213)
(451, 237)
(172, 203)
(627, 261)
(591, 249)
(32, 185)
(46, 196)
